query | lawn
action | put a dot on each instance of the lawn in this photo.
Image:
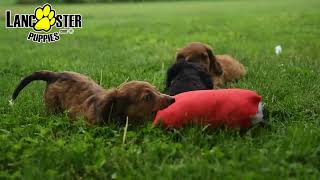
(120, 42)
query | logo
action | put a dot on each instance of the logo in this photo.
(45, 18)
(42, 22)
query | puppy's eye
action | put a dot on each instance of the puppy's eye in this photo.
(204, 55)
(148, 97)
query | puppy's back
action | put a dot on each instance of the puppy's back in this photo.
(73, 89)
(186, 76)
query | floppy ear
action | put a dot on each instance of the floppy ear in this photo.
(120, 107)
(172, 72)
(215, 67)
(206, 79)
(105, 107)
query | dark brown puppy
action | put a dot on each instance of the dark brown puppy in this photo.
(187, 76)
(223, 68)
(81, 96)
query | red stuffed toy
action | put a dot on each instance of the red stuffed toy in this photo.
(233, 108)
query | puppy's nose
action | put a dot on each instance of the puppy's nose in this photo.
(171, 100)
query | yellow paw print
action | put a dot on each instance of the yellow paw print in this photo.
(45, 17)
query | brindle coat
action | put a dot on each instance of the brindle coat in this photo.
(81, 96)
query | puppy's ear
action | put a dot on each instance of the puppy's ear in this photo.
(105, 107)
(120, 107)
(215, 67)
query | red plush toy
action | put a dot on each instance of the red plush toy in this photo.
(233, 108)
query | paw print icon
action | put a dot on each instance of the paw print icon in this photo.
(45, 18)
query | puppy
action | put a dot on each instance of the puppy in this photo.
(81, 96)
(201, 54)
(232, 69)
(186, 76)
(223, 68)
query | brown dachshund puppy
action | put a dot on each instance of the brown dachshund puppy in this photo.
(81, 96)
(233, 70)
(223, 68)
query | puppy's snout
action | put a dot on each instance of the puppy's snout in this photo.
(166, 101)
(171, 100)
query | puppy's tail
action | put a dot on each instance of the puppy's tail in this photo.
(47, 76)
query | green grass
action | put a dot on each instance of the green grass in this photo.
(134, 41)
